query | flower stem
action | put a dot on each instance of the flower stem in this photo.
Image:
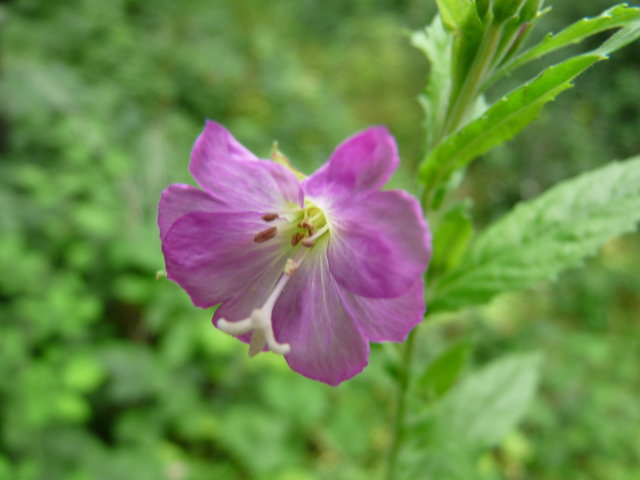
(401, 406)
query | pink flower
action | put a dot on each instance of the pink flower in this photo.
(313, 268)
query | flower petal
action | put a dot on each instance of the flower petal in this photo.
(213, 256)
(387, 319)
(326, 343)
(236, 177)
(178, 200)
(361, 163)
(379, 245)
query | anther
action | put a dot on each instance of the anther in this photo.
(265, 235)
(308, 227)
(307, 242)
(270, 217)
(295, 240)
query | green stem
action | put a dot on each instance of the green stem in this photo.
(401, 406)
(461, 103)
(472, 84)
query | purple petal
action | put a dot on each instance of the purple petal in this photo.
(178, 200)
(363, 162)
(379, 245)
(387, 319)
(213, 256)
(326, 343)
(234, 176)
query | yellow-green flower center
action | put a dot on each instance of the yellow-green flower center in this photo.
(309, 225)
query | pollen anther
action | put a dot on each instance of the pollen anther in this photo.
(295, 240)
(265, 235)
(270, 217)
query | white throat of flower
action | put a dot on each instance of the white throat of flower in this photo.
(309, 224)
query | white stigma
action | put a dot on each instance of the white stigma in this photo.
(259, 322)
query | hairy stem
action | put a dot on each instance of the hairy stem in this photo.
(401, 406)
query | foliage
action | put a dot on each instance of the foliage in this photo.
(545, 236)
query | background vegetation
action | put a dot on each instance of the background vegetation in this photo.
(106, 373)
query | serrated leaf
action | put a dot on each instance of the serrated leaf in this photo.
(485, 407)
(441, 374)
(541, 238)
(615, 17)
(621, 38)
(502, 120)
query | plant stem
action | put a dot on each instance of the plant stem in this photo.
(475, 78)
(462, 102)
(401, 405)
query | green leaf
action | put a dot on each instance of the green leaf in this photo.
(505, 9)
(451, 238)
(541, 238)
(485, 407)
(435, 43)
(502, 120)
(620, 39)
(482, 7)
(615, 17)
(444, 370)
(444, 460)
(530, 10)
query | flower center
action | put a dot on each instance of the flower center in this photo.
(311, 225)
(306, 226)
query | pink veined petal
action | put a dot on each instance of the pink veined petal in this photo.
(234, 176)
(387, 319)
(178, 200)
(380, 245)
(363, 162)
(326, 343)
(213, 256)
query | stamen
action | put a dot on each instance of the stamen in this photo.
(307, 242)
(307, 227)
(295, 240)
(318, 234)
(265, 235)
(270, 217)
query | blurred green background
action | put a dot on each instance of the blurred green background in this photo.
(106, 373)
